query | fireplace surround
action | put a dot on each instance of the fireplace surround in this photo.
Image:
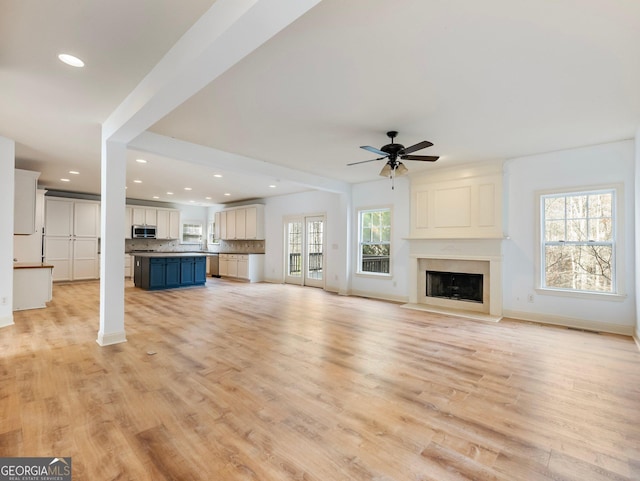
(466, 256)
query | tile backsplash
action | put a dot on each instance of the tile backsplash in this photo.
(174, 245)
(239, 246)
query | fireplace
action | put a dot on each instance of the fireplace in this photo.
(457, 286)
(474, 264)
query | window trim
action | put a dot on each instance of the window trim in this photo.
(359, 272)
(618, 280)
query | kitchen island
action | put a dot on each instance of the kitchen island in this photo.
(169, 270)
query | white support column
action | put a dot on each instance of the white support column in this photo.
(114, 177)
(346, 206)
(7, 166)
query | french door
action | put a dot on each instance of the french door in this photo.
(305, 246)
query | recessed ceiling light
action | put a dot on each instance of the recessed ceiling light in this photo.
(74, 172)
(156, 197)
(71, 60)
(218, 176)
(169, 193)
(137, 181)
(141, 161)
(65, 180)
(272, 186)
(227, 194)
(192, 201)
(208, 198)
(187, 188)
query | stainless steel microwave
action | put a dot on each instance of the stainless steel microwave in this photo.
(143, 232)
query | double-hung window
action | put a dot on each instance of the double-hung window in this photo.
(374, 243)
(578, 241)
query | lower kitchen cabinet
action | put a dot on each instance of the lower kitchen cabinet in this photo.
(248, 267)
(165, 272)
(173, 272)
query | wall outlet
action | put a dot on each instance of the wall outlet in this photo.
(530, 298)
(3, 301)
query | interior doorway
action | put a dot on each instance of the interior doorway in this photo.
(305, 258)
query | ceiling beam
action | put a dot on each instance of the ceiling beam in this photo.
(229, 162)
(225, 34)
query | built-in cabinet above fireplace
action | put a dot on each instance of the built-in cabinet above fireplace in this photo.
(461, 203)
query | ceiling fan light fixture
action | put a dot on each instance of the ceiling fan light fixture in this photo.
(386, 171)
(401, 169)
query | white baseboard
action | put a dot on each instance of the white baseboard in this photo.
(381, 297)
(598, 326)
(6, 321)
(110, 339)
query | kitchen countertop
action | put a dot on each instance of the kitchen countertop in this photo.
(31, 265)
(168, 254)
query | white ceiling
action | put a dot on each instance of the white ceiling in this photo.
(481, 80)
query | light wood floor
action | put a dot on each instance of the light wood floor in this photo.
(274, 382)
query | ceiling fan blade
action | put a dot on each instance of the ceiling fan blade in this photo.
(374, 150)
(364, 161)
(420, 145)
(426, 158)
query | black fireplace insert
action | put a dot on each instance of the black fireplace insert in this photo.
(454, 285)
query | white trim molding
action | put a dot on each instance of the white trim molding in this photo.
(111, 338)
(598, 326)
(6, 321)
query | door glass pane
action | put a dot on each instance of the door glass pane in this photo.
(294, 243)
(314, 249)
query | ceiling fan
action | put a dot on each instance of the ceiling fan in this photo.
(393, 152)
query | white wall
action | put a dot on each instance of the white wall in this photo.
(307, 203)
(611, 163)
(379, 194)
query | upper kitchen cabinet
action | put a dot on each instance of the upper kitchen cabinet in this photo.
(168, 224)
(144, 216)
(254, 222)
(127, 222)
(26, 186)
(242, 223)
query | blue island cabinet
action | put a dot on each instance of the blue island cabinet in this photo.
(156, 272)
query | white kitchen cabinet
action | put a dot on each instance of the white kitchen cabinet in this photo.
(162, 231)
(25, 188)
(86, 219)
(242, 223)
(168, 224)
(127, 222)
(222, 222)
(241, 226)
(243, 267)
(72, 228)
(144, 216)
(223, 265)
(248, 267)
(28, 248)
(232, 268)
(127, 265)
(254, 219)
(231, 224)
(216, 226)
